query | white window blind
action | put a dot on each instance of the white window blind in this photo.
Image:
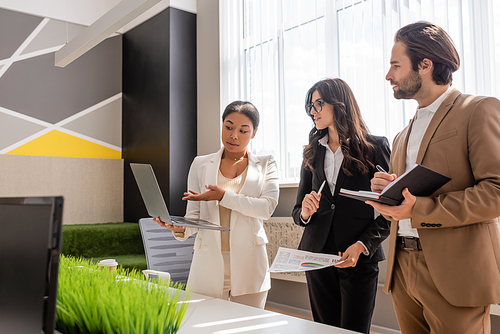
(272, 51)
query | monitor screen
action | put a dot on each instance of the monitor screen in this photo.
(30, 244)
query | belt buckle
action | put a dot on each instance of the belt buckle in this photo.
(410, 243)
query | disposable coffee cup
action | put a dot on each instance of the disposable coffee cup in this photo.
(156, 276)
(110, 264)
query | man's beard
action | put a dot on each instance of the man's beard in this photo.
(408, 86)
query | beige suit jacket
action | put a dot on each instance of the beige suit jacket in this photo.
(459, 226)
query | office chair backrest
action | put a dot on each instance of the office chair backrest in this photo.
(164, 252)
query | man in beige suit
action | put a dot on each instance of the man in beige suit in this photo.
(444, 260)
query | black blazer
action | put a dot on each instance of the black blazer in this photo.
(340, 218)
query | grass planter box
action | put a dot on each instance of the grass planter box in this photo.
(92, 300)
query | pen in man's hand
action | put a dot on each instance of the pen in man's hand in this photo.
(321, 188)
(380, 169)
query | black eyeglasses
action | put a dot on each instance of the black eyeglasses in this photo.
(318, 106)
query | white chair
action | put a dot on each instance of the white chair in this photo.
(164, 252)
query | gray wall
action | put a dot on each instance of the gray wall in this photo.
(79, 104)
(208, 63)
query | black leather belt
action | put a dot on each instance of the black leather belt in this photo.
(410, 243)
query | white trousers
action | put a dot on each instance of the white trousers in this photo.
(252, 299)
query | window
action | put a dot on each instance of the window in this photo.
(273, 51)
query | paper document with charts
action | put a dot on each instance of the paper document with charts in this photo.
(420, 181)
(289, 260)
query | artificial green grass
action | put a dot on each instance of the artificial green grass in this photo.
(94, 301)
(94, 240)
(119, 241)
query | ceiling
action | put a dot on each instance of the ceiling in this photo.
(85, 12)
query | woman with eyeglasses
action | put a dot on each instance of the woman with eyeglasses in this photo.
(237, 190)
(342, 152)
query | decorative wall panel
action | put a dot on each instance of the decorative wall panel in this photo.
(50, 111)
(59, 144)
(60, 128)
(14, 29)
(283, 232)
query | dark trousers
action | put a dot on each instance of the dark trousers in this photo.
(344, 297)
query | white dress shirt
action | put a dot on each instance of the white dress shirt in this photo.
(332, 164)
(421, 121)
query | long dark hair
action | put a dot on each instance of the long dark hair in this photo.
(427, 40)
(348, 123)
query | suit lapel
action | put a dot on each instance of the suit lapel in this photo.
(442, 111)
(253, 179)
(320, 173)
(339, 183)
(399, 151)
(211, 173)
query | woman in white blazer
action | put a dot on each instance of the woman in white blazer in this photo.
(236, 189)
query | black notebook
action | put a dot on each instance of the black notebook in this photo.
(420, 181)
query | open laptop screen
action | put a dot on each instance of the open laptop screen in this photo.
(155, 204)
(30, 241)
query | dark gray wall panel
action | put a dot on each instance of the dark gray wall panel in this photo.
(145, 127)
(159, 61)
(183, 103)
(37, 88)
(14, 29)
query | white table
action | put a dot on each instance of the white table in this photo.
(211, 315)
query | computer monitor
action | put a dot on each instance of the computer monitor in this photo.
(30, 244)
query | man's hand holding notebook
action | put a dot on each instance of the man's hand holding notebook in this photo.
(420, 181)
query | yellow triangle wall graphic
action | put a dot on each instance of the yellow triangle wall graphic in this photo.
(59, 144)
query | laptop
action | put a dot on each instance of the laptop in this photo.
(155, 204)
